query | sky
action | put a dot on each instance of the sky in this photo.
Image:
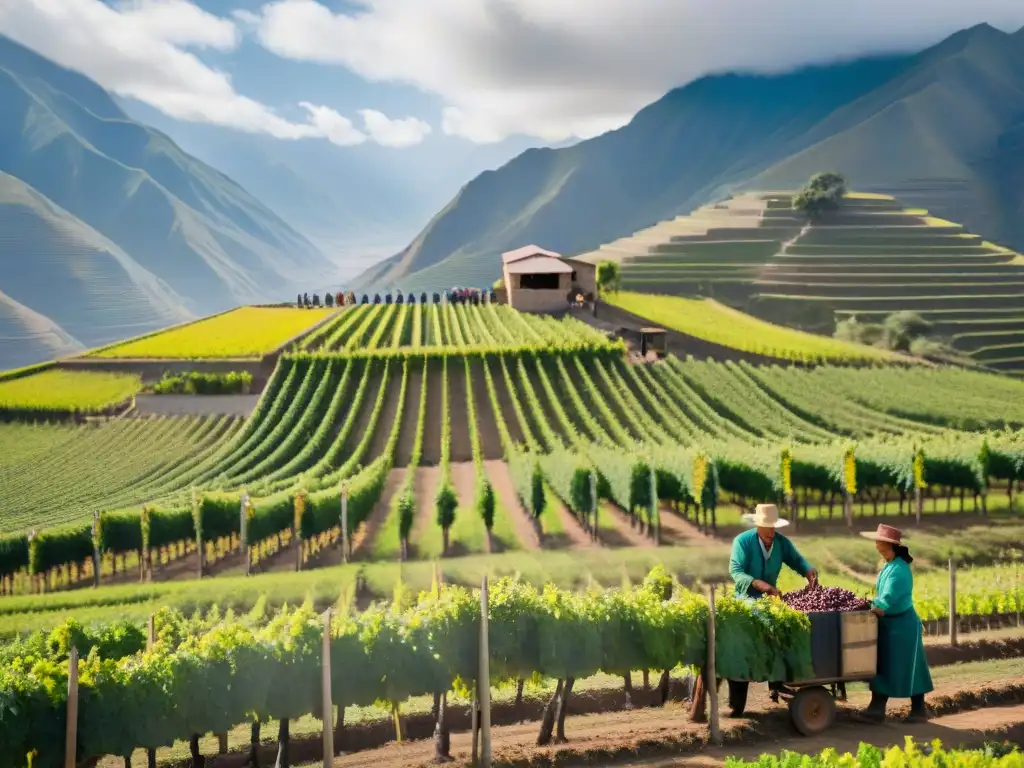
(403, 73)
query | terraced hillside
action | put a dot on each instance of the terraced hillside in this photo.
(487, 441)
(870, 259)
(717, 251)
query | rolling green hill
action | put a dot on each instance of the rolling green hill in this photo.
(109, 229)
(942, 129)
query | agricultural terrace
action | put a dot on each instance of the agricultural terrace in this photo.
(246, 332)
(56, 392)
(369, 328)
(869, 259)
(708, 320)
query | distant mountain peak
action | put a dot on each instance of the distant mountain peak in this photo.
(924, 119)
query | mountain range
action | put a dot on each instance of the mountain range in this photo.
(942, 129)
(108, 229)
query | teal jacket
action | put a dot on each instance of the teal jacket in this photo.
(748, 564)
(902, 666)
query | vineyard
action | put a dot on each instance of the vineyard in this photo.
(404, 448)
(501, 431)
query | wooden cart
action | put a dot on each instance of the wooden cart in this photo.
(844, 649)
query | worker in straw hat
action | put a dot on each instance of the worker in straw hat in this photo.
(902, 667)
(757, 559)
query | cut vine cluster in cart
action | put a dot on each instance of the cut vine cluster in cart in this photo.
(815, 597)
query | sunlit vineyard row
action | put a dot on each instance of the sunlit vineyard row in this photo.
(373, 327)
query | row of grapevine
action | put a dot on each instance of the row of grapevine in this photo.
(245, 672)
(447, 326)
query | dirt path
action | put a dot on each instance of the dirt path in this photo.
(487, 425)
(391, 410)
(366, 536)
(515, 430)
(623, 534)
(194, 405)
(573, 535)
(680, 531)
(458, 411)
(410, 417)
(464, 482)
(969, 729)
(600, 739)
(425, 487)
(497, 472)
(432, 422)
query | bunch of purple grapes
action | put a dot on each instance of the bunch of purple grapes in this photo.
(818, 598)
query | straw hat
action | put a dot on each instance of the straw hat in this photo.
(885, 533)
(766, 516)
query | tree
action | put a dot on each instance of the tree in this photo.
(328, 300)
(406, 518)
(298, 301)
(446, 503)
(316, 299)
(823, 192)
(608, 275)
(901, 329)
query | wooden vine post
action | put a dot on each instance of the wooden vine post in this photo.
(484, 679)
(952, 603)
(344, 522)
(71, 729)
(95, 548)
(711, 674)
(300, 507)
(655, 515)
(327, 704)
(197, 518)
(243, 528)
(593, 502)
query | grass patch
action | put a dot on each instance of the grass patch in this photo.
(707, 319)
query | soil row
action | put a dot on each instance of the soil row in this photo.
(601, 728)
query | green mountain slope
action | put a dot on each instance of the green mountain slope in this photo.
(172, 234)
(945, 122)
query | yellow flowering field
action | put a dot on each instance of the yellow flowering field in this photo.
(240, 333)
(56, 391)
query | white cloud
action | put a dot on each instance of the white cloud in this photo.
(138, 49)
(401, 132)
(334, 127)
(561, 68)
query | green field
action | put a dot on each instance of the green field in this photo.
(708, 320)
(246, 332)
(57, 391)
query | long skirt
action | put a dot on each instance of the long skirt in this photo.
(902, 667)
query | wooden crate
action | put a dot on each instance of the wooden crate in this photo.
(858, 636)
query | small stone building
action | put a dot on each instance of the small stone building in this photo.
(538, 280)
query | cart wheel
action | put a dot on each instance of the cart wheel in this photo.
(812, 710)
